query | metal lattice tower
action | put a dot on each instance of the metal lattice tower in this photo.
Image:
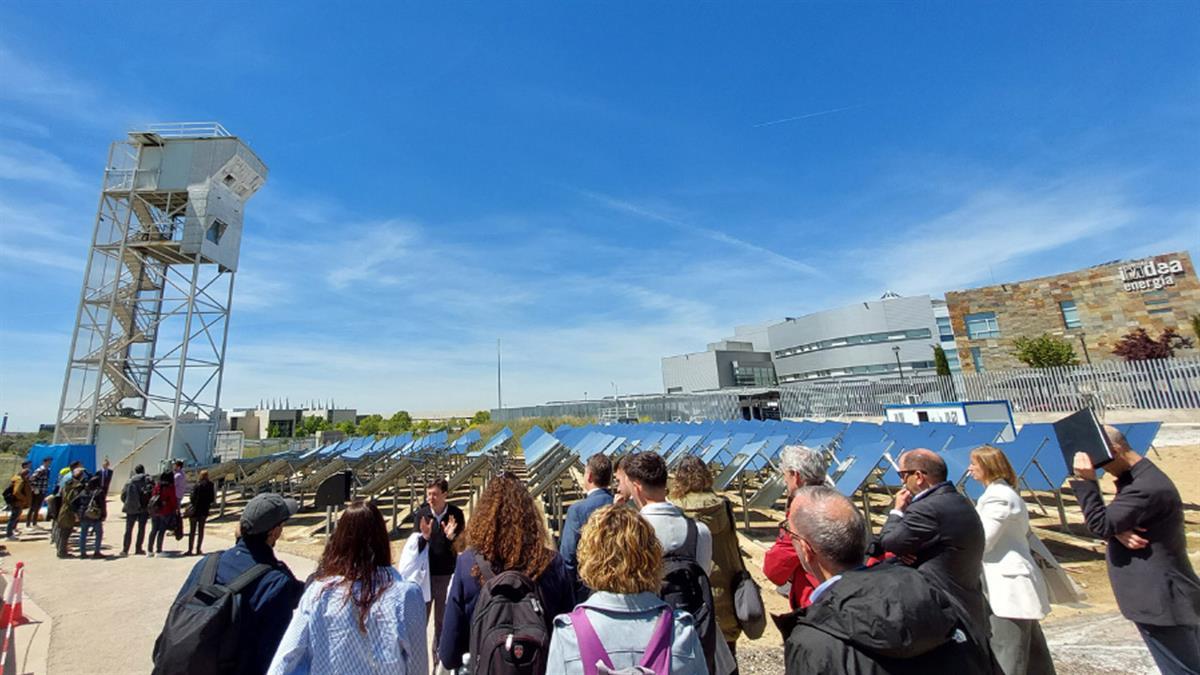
(153, 317)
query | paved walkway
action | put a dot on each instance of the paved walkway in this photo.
(106, 614)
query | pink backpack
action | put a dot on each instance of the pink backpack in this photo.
(656, 660)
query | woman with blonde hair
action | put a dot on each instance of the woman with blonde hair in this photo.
(692, 491)
(506, 533)
(1015, 587)
(623, 624)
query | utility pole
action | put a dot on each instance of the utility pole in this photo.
(499, 394)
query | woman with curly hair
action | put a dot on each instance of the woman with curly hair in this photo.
(623, 623)
(358, 614)
(692, 491)
(506, 532)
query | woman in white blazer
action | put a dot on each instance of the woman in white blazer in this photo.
(1015, 587)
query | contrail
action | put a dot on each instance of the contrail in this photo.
(698, 230)
(806, 116)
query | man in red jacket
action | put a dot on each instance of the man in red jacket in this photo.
(801, 466)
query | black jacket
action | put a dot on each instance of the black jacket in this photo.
(441, 549)
(1155, 585)
(136, 494)
(885, 619)
(203, 495)
(945, 534)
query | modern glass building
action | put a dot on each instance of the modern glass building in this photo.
(866, 341)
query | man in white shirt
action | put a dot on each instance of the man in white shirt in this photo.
(643, 480)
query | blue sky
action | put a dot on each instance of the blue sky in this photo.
(598, 185)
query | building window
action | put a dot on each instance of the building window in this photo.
(753, 376)
(1070, 314)
(977, 359)
(1159, 310)
(982, 325)
(952, 359)
(945, 332)
(867, 338)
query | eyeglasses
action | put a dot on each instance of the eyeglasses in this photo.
(783, 525)
(906, 473)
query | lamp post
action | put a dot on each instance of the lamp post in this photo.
(899, 368)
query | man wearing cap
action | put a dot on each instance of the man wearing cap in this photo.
(270, 599)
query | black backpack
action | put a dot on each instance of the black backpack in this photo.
(9, 496)
(510, 632)
(200, 636)
(685, 587)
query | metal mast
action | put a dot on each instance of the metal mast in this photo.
(153, 317)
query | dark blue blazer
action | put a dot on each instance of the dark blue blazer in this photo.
(577, 515)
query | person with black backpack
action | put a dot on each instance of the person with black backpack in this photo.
(687, 552)
(508, 586)
(135, 500)
(232, 611)
(623, 624)
(92, 508)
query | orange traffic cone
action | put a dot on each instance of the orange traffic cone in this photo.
(18, 617)
(12, 613)
(6, 608)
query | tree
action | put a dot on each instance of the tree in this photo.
(1139, 346)
(481, 417)
(370, 425)
(313, 424)
(1196, 325)
(346, 427)
(422, 426)
(940, 360)
(398, 423)
(1045, 351)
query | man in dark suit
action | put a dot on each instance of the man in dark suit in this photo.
(596, 477)
(935, 529)
(1148, 566)
(440, 523)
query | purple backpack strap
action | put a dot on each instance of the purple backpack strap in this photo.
(657, 656)
(591, 649)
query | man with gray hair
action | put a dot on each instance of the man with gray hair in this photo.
(800, 466)
(884, 619)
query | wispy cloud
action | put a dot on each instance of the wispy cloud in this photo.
(21, 162)
(805, 116)
(34, 85)
(997, 227)
(651, 214)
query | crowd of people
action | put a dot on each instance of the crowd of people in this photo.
(645, 575)
(79, 499)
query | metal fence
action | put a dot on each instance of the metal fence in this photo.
(1106, 385)
(718, 405)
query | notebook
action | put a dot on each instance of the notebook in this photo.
(1081, 432)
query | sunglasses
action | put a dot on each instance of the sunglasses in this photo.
(909, 472)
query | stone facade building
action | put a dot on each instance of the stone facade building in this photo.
(1092, 308)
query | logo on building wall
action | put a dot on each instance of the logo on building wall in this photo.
(1150, 274)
